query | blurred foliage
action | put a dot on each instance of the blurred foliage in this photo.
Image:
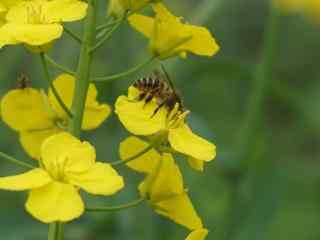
(277, 198)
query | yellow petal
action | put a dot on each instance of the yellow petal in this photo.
(64, 10)
(142, 24)
(24, 109)
(146, 163)
(64, 149)
(183, 140)
(55, 202)
(201, 43)
(32, 140)
(196, 164)
(199, 234)
(165, 181)
(180, 210)
(34, 34)
(115, 9)
(32, 179)
(100, 179)
(138, 117)
(94, 113)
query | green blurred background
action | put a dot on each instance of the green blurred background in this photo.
(274, 195)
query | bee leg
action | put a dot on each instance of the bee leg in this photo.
(148, 99)
(139, 98)
(158, 108)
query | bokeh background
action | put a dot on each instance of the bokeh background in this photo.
(265, 182)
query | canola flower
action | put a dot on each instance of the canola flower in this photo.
(169, 36)
(163, 129)
(309, 8)
(37, 23)
(36, 116)
(67, 166)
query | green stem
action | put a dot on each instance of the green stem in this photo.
(108, 35)
(16, 161)
(126, 73)
(252, 120)
(54, 90)
(72, 35)
(55, 231)
(116, 208)
(262, 76)
(84, 69)
(120, 162)
(59, 66)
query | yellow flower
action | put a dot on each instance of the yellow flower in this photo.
(38, 22)
(117, 8)
(199, 234)
(169, 36)
(163, 129)
(163, 188)
(310, 8)
(36, 116)
(67, 166)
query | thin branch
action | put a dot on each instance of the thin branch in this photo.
(16, 161)
(116, 208)
(116, 163)
(59, 66)
(72, 35)
(54, 90)
(126, 73)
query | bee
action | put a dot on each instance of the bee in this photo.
(23, 81)
(160, 87)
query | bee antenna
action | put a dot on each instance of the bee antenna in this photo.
(167, 75)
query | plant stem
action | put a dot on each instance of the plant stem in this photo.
(116, 208)
(72, 35)
(108, 35)
(262, 76)
(84, 70)
(16, 161)
(116, 163)
(59, 66)
(51, 85)
(55, 231)
(252, 120)
(126, 73)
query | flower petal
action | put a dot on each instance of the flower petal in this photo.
(64, 10)
(55, 202)
(199, 234)
(101, 179)
(142, 24)
(165, 181)
(32, 179)
(183, 140)
(201, 43)
(146, 163)
(31, 141)
(196, 164)
(138, 117)
(76, 156)
(180, 210)
(94, 115)
(24, 109)
(34, 34)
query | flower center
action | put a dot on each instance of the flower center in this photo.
(56, 169)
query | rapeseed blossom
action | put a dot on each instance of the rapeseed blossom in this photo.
(67, 165)
(170, 36)
(37, 23)
(163, 129)
(36, 115)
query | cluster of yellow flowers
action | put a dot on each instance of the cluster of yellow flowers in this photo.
(66, 164)
(310, 8)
